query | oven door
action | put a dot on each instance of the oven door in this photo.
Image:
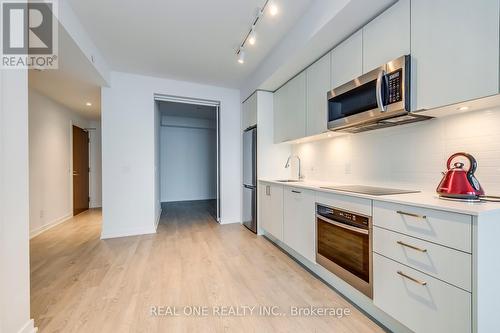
(346, 251)
(377, 95)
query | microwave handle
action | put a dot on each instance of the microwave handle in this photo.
(344, 226)
(380, 82)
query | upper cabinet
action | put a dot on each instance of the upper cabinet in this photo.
(387, 37)
(317, 87)
(249, 112)
(455, 51)
(290, 110)
(347, 60)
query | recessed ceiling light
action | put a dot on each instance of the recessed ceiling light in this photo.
(463, 108)
(88, 104)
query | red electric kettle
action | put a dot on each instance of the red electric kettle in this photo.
(459, 183)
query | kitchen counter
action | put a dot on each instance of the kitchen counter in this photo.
(422, 199)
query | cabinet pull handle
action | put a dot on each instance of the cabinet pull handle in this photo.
(268, 190)
(411, 246)
(423, 217)
(422, 283)
(298, 192)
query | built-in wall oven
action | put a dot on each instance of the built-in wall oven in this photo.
(344, 246)
(379, 98)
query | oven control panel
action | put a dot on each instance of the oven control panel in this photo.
(343, 216)
(395, 86)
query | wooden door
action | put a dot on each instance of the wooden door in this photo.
(80, 170)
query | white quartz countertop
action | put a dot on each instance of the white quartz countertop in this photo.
(422, 199)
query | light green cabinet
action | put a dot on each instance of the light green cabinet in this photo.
(317, 87)
(249, 112)
(455, 51)
(271, 209)
(290, 110)
(347, 60)
(299, 221)
(387, 37)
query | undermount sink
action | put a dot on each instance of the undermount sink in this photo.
(289, 180)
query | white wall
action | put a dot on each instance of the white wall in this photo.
(410, 156)
(95, 161)
(157, 186)
(14, 204)
(188, 160)
(50, 137)
(128, 150)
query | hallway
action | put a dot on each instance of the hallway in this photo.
(80, 283)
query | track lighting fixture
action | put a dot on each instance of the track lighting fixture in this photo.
(251, 36)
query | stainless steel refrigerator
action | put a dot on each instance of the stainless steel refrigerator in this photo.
(250, 179)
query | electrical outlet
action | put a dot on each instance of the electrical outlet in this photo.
(42, 213)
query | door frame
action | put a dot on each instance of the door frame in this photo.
(71, 185)
(204, 102)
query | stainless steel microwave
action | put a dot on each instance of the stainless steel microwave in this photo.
(379, 98)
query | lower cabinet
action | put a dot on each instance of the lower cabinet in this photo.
(271, 209)
(298, 221)
(419, 301)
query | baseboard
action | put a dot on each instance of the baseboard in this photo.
(29, 327)
(38, 231)
(229, 222)
(158, 217)
(128, 232)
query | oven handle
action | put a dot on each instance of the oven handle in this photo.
(344, 226)
(380, 102)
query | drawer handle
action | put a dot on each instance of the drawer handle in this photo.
(423, 217)
(422, 283)
(298, 192)
(411, 246)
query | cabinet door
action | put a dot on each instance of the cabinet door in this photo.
(298, 221)
(249, 112)
(279, 111)
(347, 63)
(387, 37)
(455, 50)
(271, 208)
(295, 117)
(318, 85)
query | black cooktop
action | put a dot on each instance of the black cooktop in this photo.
(370, 190)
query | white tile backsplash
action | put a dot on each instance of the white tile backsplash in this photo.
(411, 156)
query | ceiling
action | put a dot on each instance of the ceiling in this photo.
(189, 40)
(173, 109)
(74, 83)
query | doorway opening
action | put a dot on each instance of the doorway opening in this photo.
(81, 169)
(188, 153)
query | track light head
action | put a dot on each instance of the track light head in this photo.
(241, 56)
(252, 37)
(273, 8)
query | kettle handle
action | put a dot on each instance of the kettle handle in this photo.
(472, 161)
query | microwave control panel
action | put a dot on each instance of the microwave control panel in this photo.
(394, 85)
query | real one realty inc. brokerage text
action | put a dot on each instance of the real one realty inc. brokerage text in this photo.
(247, 310)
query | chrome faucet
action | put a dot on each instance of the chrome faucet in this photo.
(287, 165)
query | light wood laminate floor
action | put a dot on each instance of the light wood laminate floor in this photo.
(80, 283)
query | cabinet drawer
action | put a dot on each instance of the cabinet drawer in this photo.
(449, 229)
(353, 204)
(438, 261)
(433, 307)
